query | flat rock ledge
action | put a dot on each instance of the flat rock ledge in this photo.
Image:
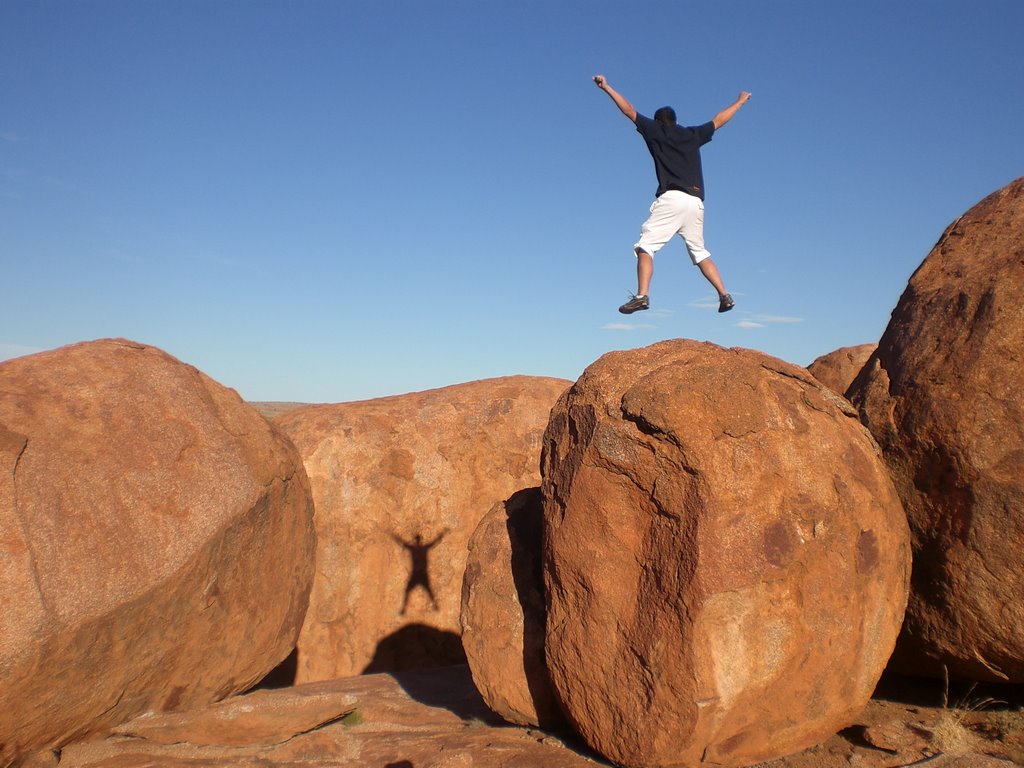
(434, 718)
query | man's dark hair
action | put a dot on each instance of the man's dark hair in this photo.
(666, 115)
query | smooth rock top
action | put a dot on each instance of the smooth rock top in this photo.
(726, 559)
(839, 368)
(400, 484)
(943, 396)
(156, 541)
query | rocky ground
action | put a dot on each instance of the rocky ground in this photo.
(911, 722)
(435, 719)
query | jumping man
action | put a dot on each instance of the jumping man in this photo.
(678, 207)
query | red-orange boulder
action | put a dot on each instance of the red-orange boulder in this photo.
(838, 369)
(400, 483)
(725, 557)
(503, 612)
(156, 542)
(943, 396)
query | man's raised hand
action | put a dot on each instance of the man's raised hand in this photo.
(623, 105)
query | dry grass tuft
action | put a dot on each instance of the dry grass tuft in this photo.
(951, 735)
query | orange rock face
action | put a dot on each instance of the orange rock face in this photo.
(943, 396)
(726, 559)
(503, 613)
(156, 542)
(838, 369)
(399, 485)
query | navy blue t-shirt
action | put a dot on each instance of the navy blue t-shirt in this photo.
(676, 153)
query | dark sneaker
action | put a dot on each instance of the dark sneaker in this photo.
(635, 304)
(725, 303)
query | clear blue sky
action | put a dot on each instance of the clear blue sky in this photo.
(330, 201)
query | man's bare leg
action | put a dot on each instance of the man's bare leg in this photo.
(710, 271)
(644, 272)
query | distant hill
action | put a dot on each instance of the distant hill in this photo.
(273, 410)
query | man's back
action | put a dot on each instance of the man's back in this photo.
(676, 153)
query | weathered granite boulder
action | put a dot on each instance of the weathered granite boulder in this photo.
(400, 484)
(725, 557)
(838, 369)
(503, 612)
(156, 542)
(943, 396)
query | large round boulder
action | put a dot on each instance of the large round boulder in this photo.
(156, 542)
(725, 557)
(503, 612)
(400, 484)
(943, 396)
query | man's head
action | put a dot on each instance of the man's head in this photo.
(666, 115)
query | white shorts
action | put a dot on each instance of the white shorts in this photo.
(675, 213)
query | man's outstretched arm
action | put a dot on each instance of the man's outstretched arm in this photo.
(618, 98)
(727, 114)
